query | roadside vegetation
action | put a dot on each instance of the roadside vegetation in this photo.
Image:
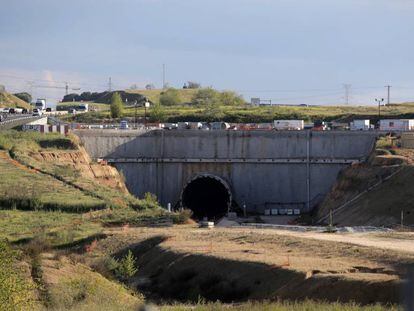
(206, 104)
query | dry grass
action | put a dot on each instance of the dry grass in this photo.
(9, 101)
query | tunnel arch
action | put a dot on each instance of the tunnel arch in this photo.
(207, 195)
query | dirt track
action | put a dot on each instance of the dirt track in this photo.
(402, 242)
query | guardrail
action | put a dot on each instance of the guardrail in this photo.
(9, 122)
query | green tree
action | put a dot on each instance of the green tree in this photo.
(229, 98)
(127, 266)
(170, 97)
(157, 113)
(24, 96)
(206, 96)
(117, 106)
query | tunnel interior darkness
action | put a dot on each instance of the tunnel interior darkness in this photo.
(207, 197)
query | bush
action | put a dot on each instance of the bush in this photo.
(182, 217)
(229, 98)
(170, 97)
(117, 106)
(206, 96)
(124, 268)
(149, 201)
(157, 113)
(24, 96)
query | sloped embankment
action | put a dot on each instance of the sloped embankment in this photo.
(9, 100)
(56, 160)
(373, 194)
(80, 161)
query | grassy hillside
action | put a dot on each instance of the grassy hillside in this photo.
(53, 172)
(376, 192)
(9, 100)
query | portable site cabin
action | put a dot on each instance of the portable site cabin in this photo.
(360, 125)
(397, 125)
(289, 124)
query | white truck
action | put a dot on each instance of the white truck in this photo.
(40, 104)
(289, 125)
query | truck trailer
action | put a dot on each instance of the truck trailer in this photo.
(289, 125)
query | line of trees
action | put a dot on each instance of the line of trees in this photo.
(203, 96)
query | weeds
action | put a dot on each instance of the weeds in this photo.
(15, 291)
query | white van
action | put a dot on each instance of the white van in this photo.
(37, 112)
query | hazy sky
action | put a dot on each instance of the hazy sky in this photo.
(294, 51)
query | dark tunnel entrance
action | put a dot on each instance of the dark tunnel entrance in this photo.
(207, 196)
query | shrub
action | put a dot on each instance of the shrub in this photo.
(124, 268)
(24, 96)
(57, 143)
(229, 98)
(170, 97)
(182, 216)
(117, 106)
(149, 201)
(157, 113)
(205, 96)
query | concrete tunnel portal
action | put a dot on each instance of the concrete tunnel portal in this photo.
(207, 196)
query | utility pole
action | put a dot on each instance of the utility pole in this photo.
(347, 88)
(110, 84)
(388, 93)
(66, 88)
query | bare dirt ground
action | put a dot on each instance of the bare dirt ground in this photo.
(265, 263)
(402, 242)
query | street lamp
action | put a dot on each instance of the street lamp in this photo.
(379, 101)
(146, 105)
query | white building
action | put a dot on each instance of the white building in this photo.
(360, 125)
(397, 125)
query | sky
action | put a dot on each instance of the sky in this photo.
(289, 51)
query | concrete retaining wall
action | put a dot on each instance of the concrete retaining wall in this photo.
(264, 169)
